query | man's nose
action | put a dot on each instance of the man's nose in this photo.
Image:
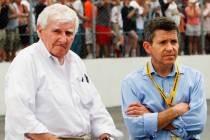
(63, 37)
(169, 46)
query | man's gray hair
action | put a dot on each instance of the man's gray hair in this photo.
(59, 13)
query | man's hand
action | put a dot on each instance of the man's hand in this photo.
(136, 109)
(169, 127)
(103, 136)
(41, 136)
(181, 108)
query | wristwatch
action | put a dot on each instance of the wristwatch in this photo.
(108, 138)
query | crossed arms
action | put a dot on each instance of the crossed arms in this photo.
(165, 117)
(143, 120)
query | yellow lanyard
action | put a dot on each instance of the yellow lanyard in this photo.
(175, 138)
(169, 101)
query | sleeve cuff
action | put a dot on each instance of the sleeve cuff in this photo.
(150, 123)
(113, 132)
(178, 123)
(179, 127)
(39, 129)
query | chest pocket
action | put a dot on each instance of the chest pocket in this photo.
(85, 92)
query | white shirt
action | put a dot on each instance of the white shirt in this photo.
(206, 11)
(44, 96)
(77, 5)
(116, 16)
(26, 3)
(173, 13)
(140, 18)
(154, 4)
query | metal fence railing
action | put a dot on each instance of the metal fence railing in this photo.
(120, 41)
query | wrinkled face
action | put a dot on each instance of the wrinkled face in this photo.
(164, 48)
(57, 37)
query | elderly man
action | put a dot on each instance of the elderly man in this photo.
(49, 95)
(163, 100)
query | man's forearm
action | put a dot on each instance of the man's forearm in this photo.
(41, 136)
(169, 127)
(166, 117)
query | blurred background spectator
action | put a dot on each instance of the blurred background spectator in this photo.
(108, 28)
(116, 23)
(12, 33)
(23, 22)
(193, 27)
(206, 14)
(4, 19)
(103, 28)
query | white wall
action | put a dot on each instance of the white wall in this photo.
(107, 75)
(3, 70)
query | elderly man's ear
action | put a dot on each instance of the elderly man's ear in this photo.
(39, 30)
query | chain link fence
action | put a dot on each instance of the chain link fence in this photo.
(101, 35)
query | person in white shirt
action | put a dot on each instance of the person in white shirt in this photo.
(172, 11)
(49, 95)
(78, 44)
(206, 23)
(141, 12)
(155, 9)
(117, 24)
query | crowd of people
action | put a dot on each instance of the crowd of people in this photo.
(47, 83)
(118, 25)
(49, 94)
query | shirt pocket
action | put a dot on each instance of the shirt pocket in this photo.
(85, 93)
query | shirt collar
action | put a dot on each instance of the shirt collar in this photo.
(152, 70)
(45, 52)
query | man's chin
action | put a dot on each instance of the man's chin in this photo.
(59, 53)
(170, 60)
(60, 49)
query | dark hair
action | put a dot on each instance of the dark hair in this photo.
(159, 23)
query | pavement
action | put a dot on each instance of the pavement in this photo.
(116, 114)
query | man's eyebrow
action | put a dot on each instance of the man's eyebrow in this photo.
(70, 30)
(55, 29)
